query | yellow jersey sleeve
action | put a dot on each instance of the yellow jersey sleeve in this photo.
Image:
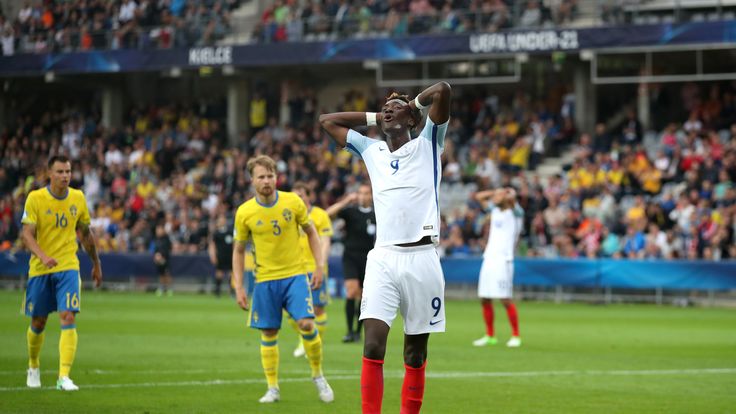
(30, 212)
(240, 228)
(84, 217)
(300, 211)
(323, 225)
(322, 222)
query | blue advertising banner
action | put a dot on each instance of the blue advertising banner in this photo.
(406, 48)
(635, 274)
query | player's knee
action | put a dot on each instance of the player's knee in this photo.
(319, 310)
(414, 357)
(67, 318)
(39, 323)
(373, 349)
(305, 324)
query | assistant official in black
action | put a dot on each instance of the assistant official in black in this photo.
(360, 236)
(221, 252)
(162, 258)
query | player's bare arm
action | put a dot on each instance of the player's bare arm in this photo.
(437, 97)
(238, 269)
(334, 209)
(28, 235)
(211, 251)
(90, 246)
(316, 246)
(338, 124)
(325, 242)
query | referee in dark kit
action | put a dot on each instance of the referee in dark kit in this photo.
(221, 252)
(360, 236)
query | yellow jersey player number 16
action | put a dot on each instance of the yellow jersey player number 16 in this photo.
(51, 218)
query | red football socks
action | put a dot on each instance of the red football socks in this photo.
(513, 319)
(488, 317)
(412, 391)
(371, 386)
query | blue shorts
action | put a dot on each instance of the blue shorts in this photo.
(251, 282)
(269, 298)
(321, 296)
(60, 291)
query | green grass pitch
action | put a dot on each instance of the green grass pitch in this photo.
(193, 354)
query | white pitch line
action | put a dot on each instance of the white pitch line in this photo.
(400, 374)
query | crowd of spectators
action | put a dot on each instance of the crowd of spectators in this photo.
(293, 21)
(623, 196)
(65, 26)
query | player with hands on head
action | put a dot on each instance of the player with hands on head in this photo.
(496, 278)
(403, 271)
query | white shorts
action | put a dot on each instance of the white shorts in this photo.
(496, 279)
(409, 279)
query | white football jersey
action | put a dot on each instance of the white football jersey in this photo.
(405, 184)
(505, 229)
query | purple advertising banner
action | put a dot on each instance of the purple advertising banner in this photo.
(406, 48)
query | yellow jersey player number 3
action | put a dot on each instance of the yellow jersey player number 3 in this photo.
(51, 219)
(272, 219)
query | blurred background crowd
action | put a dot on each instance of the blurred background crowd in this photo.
(626, 192)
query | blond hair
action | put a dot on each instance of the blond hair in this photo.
(264, 161)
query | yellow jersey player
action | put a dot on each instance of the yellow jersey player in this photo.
(52, 216)
(272, 219)
(323, 225)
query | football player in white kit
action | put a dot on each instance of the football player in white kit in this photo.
(496, 279)
(403, 270)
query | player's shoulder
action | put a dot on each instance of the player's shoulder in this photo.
(289, 199)
(320, 213)
(75, 193)
(36, 194)
(247, 207)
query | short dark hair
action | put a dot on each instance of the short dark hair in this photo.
(58, 158)
(301, 185)
(416, 115)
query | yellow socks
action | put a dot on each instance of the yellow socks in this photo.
(321, 323)
(270, 359)
(35, 341)
(313, 348)
(67, 349)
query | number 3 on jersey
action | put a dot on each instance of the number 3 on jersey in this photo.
(276, 228)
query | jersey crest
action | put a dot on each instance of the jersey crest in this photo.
(287, 215)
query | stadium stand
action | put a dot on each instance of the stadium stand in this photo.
(627, 193)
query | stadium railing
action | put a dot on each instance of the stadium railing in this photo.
(553, 279)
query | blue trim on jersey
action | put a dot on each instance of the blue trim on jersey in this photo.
(65, 327)
(434, 165)
(48, 188)
(269, 343)
(311, 336)
(269, 205)
(36, 331)
(350, 147)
